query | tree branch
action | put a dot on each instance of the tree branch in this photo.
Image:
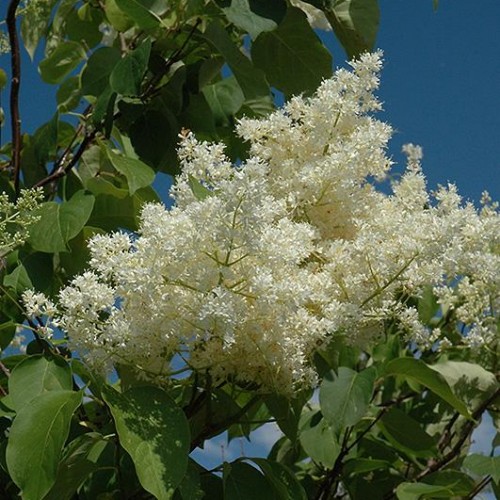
(15, 117)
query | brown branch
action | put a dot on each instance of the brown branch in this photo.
(15, 117)
(464, 434)
(479, 486)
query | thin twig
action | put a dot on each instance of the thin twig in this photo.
(477, 489)
(15, 116)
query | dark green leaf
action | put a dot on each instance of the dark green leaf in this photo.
(61, 62)
(127, 75)
(251, 80)
(155, 432)
(292, 56)
(95, 75)
(78, 463)
(244, 482)
(82, 25)
(36, 439)
(344, 398)
(36, 375)
(225, 98)
(60, 222)
(417, 371)
(284, 482)
(355, 23)
(68, 94)
(406, 434)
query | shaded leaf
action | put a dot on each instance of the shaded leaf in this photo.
(155, 433)
(34, 24)
(141, 11)
(483, 466)
(127, 75)
(418, 491)
(417, 371)
(244, 482)
(292, 56)
(405, 434)
(242, 16)
(95, 74)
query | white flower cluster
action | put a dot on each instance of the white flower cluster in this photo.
(258, 265)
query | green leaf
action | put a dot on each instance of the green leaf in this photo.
(82, 25)
(318, 439)
(7, 332)
(225, 98)
(363, 465)
(405, 434)
(68, 94)
(292, 56)
(344, 398)
(469, 381)
(3, 79)
(45, 140)
(95, 74)
(78, 463)
(116, 17)
(155, 433)
(61, 62)
(60, 222)
(283, 481)
(138, 174)
(355, 23)
(199, 190)
(483, 466)
(36, 439)
(418, 491)
(427, 305)
(34, 24)
(244, 482)
(287, 412)
(141, 11)
(251, 80)
(36, 375)
(127, 75)
(242, 16)
(415, 370)
(18, 279)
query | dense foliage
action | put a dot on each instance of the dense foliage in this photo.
(284, 285)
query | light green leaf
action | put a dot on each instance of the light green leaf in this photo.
(469, 381)
(60, 222)
(127, 75)
(483, 466)
(95, 74)
(199, 190)
(344, 398)
(244, 482)
(318, 439)
(138, 174)
(406, 434)
(242, 16)
(292, 56)
(3, 79)
(251, 80)
(36, 375)
(155, 433)
(61, 62)
(78, 463)
(18, 279)
(283, 481)
(36, 439)
(141, 11)
(355, 23)
(418, 491)
(415, 370)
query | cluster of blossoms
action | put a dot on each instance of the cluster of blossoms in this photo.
(16, 218)
(258, 265)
